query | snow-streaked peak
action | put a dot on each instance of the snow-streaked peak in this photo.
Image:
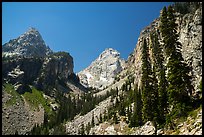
(109, 52)
(28, 44)
(102, 71)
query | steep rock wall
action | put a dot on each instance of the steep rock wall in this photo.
(190, 36)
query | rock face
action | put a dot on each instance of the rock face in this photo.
(146, 129)
(193, 126)
(190, 36)
(21, 72)
(56, 70)
(52, 71)
(102, 71)
(28, 62)
(28, 44)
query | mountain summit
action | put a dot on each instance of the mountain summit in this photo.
(102, 71)
(28, 44)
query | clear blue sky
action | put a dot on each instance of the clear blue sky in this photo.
(83, 29)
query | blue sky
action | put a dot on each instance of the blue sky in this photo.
(84, 29)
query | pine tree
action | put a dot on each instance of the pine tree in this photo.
(179, 87)
(128, 115)
(158, 60)
(116, 102)
(116, 91)
(16, 133)
(105, 115)
(146, 67)
(92, 120)
(88, 127)
(139, 108)
(149, 86)
(115, 118)
(136, 119)
(121, 107)
(150, 96)
(100, 118)
(82, 131)
(155, 100)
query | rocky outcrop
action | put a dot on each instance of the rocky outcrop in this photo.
(55, 72)
(193, 126)
(28, 61)
(108, 129)
(59, 64)
(102, 71)
(29, 44)
(190, 36)
(146, 129)
(21, 72)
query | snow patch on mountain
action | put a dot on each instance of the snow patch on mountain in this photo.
(102, 71)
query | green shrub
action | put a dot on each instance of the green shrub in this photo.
(35, 98)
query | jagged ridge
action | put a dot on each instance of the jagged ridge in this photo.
(28, 44)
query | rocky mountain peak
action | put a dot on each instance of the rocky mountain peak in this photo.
(32, 31)
(109, 52)
(102, 71)
(28, 44)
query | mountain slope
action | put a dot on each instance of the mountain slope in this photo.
(190, 34)
(33, 80)
(102, 71)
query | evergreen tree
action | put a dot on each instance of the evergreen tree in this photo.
(139, 108)
(116, 91)
(121, 107)
(88, 127)
(148, 93)
(158, 60)
(16, 133)
(145, 80)
(82, 131)
(105, 115)
(100, 118)
(155, 100)
(115, 118)
(179, 81)
(136, 119)
(149, 87)
(92, 120)
(116, 102)
(128, 115)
